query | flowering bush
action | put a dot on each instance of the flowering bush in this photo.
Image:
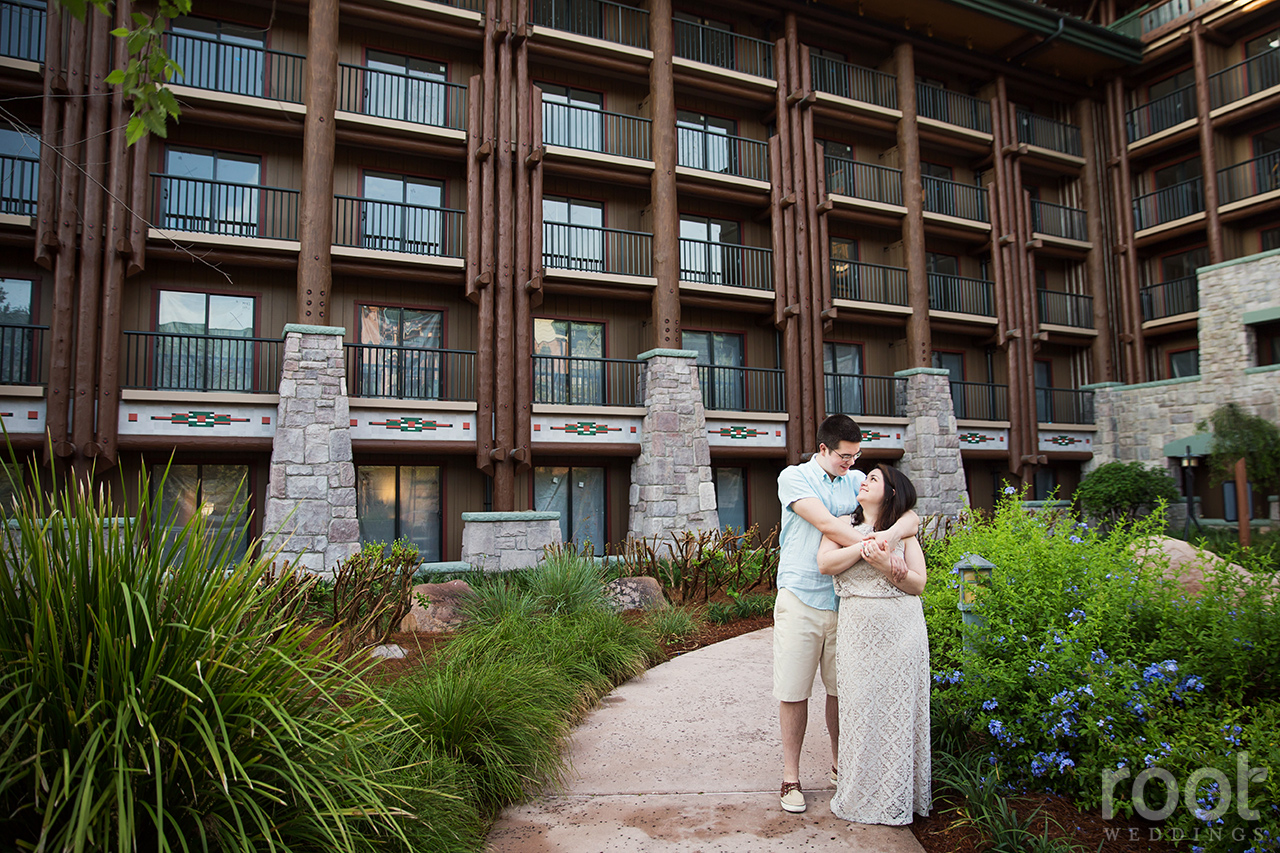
(1090, 662)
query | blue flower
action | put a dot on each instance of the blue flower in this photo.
(990, 705)
(1074, 540)
(1076, 616)
(1010, 490)
(1037, 667)
(1098, 656)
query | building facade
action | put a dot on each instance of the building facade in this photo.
(949, 220)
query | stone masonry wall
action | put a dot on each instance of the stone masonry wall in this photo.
(671, 486)
(931, 455)
(504, 541)
(311, 495)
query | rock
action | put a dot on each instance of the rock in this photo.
(1187, 564)
(391, 651)
(442, 612)
(636, 593)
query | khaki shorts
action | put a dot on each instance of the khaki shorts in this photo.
(803, 638)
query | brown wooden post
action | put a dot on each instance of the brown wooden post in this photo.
(818, 304)
(475, 138)
(782, 319)
(139, 203)
(504, 483)
(1208, 155)
(484, 321)
(666, 211)
(1244, 509)
(1131, 334)
(524, 274)
(535, 201)
(1103, 365)
(798, 210)
(315, 217)
(50, 128)
(919, 340)
(1004, 139)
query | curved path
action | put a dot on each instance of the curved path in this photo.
(687, 759)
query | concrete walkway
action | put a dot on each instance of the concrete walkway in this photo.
(687, 759)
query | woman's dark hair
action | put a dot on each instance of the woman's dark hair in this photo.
(899, 496)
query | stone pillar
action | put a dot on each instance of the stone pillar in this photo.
(504, 541)
(311, 494)
(931, 456)
(671, 488)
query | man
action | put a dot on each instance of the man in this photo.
(814, 495)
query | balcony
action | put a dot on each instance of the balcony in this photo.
(579, 381)
(598, 19)
(854, 82)
(857, 394)
(863, 282)
(950, 198)
(961, 295)
(235, 69)
(1168, 204)
(867, 181)
(1255, 74)
(1064, 309)
(1056, 220)
(1064, 406)
(953, 107)
(410, 373)
(1145, 20)
(217, 207)
(1170, 298)
(980, 401)
(19, 185)
(587, 248)
(595, 130)
(21, 362)
(1049, 133)
(407, 229)
(1252, 177)
(22, 29)
(160, 361)
(723, 153)
(741, 389)
(705, 262)
(723, 49)
(1161, 114)
(402, 97)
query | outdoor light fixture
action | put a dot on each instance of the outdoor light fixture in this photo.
(974, 571)
(1189, 465)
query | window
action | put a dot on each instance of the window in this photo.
(22, 30)
(842, 365)
(704, 144)
(204, 341)
(567, 366)
(731, 497)
(17, 339)
(402, 214)
(1178, 173)
(1264, 72)
(945, 292)
(401, 502)
(405, 88)
(1269, 239)
(212, 192)
(572, 117)
(709, 41)
(572, 238)
(1267, 336)
(19, 172)
(1184, 363)
(939, 193)
(708, 250)
(1044, 392)
(1171, 84)
(719, 357)
(219, 493)
(578, 494)
(400, 352)
(845, 281)
(1266, 152)
(953, 363)
(1046, 484)
(218, 56)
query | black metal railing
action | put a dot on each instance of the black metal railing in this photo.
(854, 82)
(868, 181)
(1058, 220)
(236, 69)
(723, 153)
(980, 401)
(726, 263)
(859, 394)
(742, 389)
(1161, 114)
(625, 25)
(953, 107)
(401, 96)
(1168, 204)
(410, 373)
(22, 359)
(592, 249)
(1064, 406)
(1044, 132)
(218, 207)
(595, 130)
(1065, 309)
(1252, 177)
(582, 381)
(1255, 74)
(1170, 298)
(863, 282)
(955, 199)
(389, 226)
(469, 5)
(162, 361)
(22, 29)
(961, 295)
(19, 185)
(723, 49)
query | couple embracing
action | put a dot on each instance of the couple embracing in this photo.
(850, 574)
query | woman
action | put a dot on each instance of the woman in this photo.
(882, 663)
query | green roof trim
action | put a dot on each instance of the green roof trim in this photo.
(1247, 259)
(1262, 315)
(1045, 21)
(1201, 444)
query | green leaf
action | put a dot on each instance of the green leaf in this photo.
(75, 7)
(116, 77)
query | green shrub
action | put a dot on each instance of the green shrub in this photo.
(370, 593)
(673, 624)
(565, 581)
(693, 566)
(1120, 491)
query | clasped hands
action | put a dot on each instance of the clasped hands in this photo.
(880, 550)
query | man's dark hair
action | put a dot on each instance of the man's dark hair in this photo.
(836, 429)
(899, 496)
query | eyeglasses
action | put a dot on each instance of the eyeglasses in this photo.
(849, 458)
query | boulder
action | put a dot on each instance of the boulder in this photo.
(442, 611)
(636, 593)
(1187, 564)
(390, 651)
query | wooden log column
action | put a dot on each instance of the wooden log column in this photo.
(481, 287)
(666, 213)
(1208, 154)
(315, 218)
(821, 310)
(797, 205)
(527, 282)
(504, 487)
(1131, 339)
(55, 84)
(919, 341)
(1104, 369)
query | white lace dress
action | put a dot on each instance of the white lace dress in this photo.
(882, 671)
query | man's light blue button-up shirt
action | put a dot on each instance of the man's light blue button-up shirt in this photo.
(799, 540)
